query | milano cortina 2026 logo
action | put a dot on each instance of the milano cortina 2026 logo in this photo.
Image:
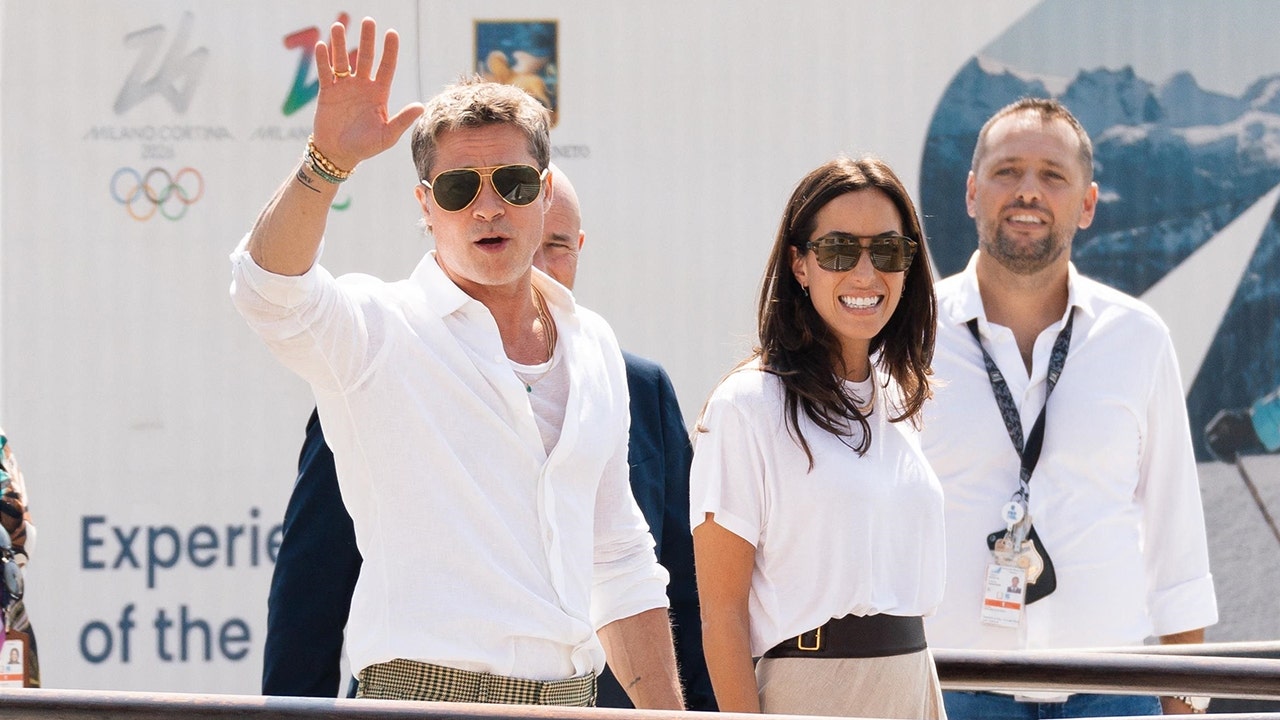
(165, 70)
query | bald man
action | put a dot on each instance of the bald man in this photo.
(318, 562)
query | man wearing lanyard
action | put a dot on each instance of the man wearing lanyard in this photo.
(1060, 434)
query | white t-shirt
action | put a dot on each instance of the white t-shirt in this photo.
(860, 535)
(548, 387)
(1114, 497)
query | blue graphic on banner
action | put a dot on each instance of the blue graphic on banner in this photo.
(1186, 145)
(522, 53)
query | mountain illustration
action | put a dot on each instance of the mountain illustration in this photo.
(1186, 104)
(1107, 98)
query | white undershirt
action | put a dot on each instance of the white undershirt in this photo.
(547, 385)
(860, 390)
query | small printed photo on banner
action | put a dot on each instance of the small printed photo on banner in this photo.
(522, 53)
(11, 664)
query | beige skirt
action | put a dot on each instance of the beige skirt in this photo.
(901, 686)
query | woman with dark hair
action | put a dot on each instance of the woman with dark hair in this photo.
(817, 521)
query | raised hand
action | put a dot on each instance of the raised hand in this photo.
(351, 124)
(351, 121)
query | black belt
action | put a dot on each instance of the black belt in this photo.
(856, 636)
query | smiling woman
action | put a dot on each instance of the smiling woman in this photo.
(848, 291)
(854, 297)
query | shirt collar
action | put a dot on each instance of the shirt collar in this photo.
(558, 296)
(965, 303)
(444, 297)
(1081, 292)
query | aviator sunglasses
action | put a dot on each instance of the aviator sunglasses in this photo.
(839, 252)
(455, 190)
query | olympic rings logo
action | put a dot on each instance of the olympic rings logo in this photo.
(143, 195)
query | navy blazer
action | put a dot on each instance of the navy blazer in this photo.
(318, 563)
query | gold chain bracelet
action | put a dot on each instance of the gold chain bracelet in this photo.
(324, 164)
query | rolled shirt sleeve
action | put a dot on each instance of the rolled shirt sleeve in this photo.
(1179, 584)
(627, 579)
(310, 325)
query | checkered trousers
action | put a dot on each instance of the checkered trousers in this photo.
(402, 679)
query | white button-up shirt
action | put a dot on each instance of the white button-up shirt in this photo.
(481, 550)
(1115, 497)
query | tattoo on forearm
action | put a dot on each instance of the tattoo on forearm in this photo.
(635, 681)
(307, 181)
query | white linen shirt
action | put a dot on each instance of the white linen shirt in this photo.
(860, 535)
(1114, 497)
(481, 552)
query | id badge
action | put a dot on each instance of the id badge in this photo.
(13, 659)
(1004, 595)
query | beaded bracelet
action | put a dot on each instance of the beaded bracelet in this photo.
(323, 166)
(320, 172)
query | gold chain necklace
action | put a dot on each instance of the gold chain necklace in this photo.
(549, 334)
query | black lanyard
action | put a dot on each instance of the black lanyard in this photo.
(1030, 454)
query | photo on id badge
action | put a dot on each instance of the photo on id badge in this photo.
(11, 669)
(1002, 600)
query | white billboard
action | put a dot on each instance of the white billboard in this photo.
(140, 138)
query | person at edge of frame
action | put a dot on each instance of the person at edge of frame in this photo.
(1245, 431)
(15, 550)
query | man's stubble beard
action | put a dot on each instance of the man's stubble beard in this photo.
(1022, 258)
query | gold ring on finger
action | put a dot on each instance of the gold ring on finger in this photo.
(344, 73)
